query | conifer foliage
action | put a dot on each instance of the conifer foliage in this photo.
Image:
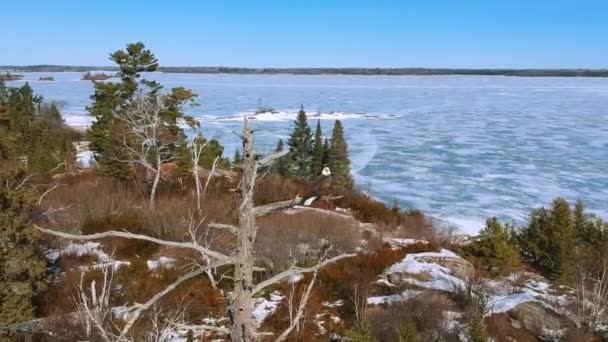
(107, 133)
(496, 247)
(339, 162)
(549, 240)
(317, 152)
(300, 148)
(22, 270)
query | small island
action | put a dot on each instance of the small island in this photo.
(46, 78)
(95, 77)
(10, 77)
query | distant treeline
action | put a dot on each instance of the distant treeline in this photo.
(333, 71)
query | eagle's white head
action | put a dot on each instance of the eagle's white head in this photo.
(326, 172)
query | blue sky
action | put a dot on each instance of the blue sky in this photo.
(312, 33)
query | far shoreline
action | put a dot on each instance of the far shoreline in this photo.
(582, 72)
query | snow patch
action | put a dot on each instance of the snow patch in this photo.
(162, 262)
(265, 307)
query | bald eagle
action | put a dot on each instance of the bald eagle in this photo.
(320, 187)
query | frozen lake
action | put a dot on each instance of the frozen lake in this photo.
(460, 148)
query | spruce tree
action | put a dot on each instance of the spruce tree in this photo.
(361, 333)
(407, 331)
(317, 152)
(565, 240)
(300, 148)
(107, 133)
(477, 329)
(326, 152)
(496, 247)
(549, 241)
(237, 159)
(339, 163)
(22, 270)
(281, 166)
(104, 134)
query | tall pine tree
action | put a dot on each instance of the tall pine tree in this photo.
(104, 134)
(107, 133)
(300, 148)
(317, 152)
(326, 152)
(339, 162)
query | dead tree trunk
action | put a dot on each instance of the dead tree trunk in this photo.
(243, 329)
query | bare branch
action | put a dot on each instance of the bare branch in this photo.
(295, 270)
(271, 158)
(203, 327)
(232, 229)
(268, 208)
(303, 300)
(127, 235)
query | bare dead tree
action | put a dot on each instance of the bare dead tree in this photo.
(592, 298)
(147, 139)
(93, 306)
(196, 149)
(245, 289)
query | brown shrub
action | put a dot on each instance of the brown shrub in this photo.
(273, 188)
(140, 284)
(411, 224)
(426, 310)
(282, 237)
(499, 327)
(345, 278)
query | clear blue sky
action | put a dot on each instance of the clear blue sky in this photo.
(311, 33)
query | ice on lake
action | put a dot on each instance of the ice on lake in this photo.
(461, 148)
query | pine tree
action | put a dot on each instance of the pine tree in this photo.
(407, 331)
(549, 240)
(237, 159)
(496, 247)
(22, 270)
(361, 333)
(107, 134)
(565, 240)
(300, 148)
(317, 152)
(281, 166)
(339, 163)
(326, 152)
(108, 97)
(477, 329)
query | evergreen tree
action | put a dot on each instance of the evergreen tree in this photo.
(108, 97)
(22, 270)
(107, 133)
(565, 243)
(496, 247)
(326, 152)
(281, 165)
(477, 330)
(339, 164)
(549, 240)
(237, 157)
(300, 148)
(407, 332)
(317, 152)
(361, 333)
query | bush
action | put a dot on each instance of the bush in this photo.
(283, 237)
(496, 248)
